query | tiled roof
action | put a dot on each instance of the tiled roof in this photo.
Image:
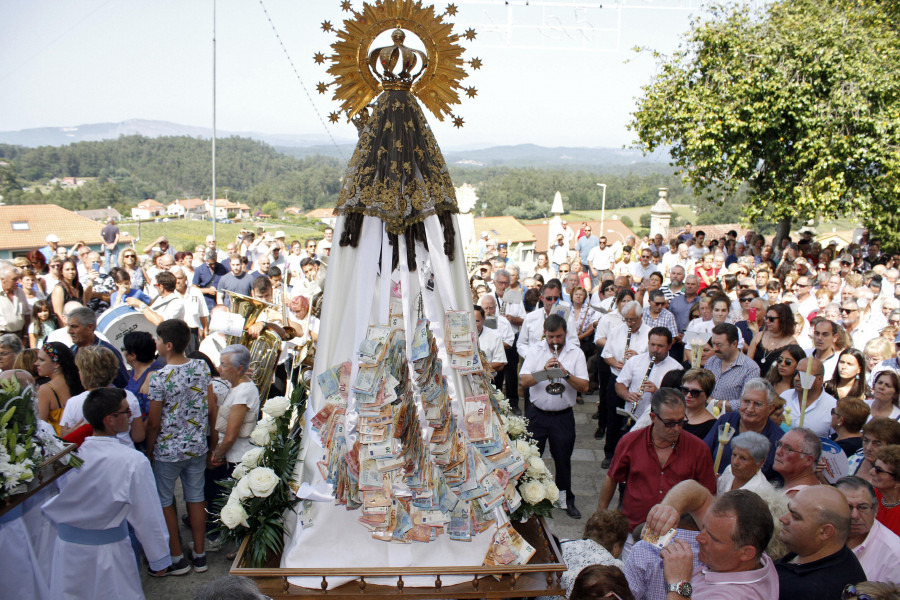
(614, 230)
(42, 220)
(189, 203)
(150, 203)
(504, 229)
(320, 213)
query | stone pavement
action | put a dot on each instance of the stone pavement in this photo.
(587, 477)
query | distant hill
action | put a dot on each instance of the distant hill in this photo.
(95, 132)
(304, 146)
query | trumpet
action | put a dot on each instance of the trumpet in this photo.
(556, 387)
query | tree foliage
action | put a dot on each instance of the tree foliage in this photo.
(800, 103)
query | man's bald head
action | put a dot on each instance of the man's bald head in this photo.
(831, 508)
(817, 369)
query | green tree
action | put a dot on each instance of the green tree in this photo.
(800, 103)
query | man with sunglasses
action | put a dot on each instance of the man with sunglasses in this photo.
(819, 403)
(550, 416)
(806, 302)
(640, 453)
(656, 315)
(876, 547)
(642, 269)
(532, 331)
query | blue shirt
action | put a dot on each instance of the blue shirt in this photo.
(205, 277)
(772, 431)
(681, 308)
(231, 283)
(584, 246)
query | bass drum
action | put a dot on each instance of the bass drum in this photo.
(116, 322)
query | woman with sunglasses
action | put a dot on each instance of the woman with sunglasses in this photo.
(885, 400)
(849, 379)
(129, 261)
(876, 434)
(68, 289)
(767, 346)
(871, 590)
(781, 376)
(885, 478)
(697, 385)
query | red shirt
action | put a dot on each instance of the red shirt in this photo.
(889, 517)
(637, 464)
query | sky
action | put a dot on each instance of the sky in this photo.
(555, 72)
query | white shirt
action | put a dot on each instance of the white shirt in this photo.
(510, 309)
(640, 272)
(490, 343)
(571, 358)
(212, 346)
(607, 323)
(632, 376)
(818, 413)
(830, 363)
(169, 307)
(505, 331)
(758, 483)
(532, 330)
(602, 259)
(73, 414)
(559, 254)
(13, 311)
(879, 554)
(246, 394)
(615, 343)
(194, 307)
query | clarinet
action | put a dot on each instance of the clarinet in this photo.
(630, 420)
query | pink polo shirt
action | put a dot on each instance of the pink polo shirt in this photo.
(758, 584)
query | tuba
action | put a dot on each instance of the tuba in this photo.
(265, 350)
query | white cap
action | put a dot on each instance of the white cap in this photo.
(279, 234)
(52, 238)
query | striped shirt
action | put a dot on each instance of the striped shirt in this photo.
(664, 319)
(730, 384)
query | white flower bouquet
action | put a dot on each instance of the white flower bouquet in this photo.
(262, 489)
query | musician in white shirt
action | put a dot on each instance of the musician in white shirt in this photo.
(643, 373)
(167, 305)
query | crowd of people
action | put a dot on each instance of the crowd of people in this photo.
(793, 350)
(175, 404)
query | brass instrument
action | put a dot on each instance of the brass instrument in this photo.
(556, 387)
(265, 350)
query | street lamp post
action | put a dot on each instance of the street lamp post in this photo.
(602, 206)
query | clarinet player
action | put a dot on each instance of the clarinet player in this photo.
(550, 415)
(642, 374)
(625, 340)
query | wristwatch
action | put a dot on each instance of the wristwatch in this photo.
(567, 375)
(682, 588)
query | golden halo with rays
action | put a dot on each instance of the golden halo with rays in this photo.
(355, 84)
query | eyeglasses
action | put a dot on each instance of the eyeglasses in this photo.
(850, 593)
(749, 299)
(671, 423)
(861, 508)
(779, 445)
(786, 361)
(56, 266)
(771, 319)
(847, 311)
(551, 298)
(756, 405)
(127, 411)
(691, 392)
(663, 303)
(564, 271)
(881, 471)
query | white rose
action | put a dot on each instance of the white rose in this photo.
(277, 406)
(532, 492)
(523, 448)
(536, 466)
(233, 514)
(252, 457)
(268, 423)
(239, 472)
(552, 492)
(242, 487)
(260, 436)
(515, 425)
(262, 481)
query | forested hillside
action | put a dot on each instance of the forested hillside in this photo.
(125, 171)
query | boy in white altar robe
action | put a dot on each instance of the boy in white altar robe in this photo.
(93, 556)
